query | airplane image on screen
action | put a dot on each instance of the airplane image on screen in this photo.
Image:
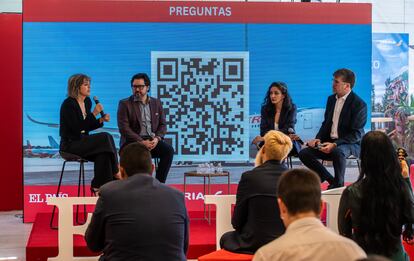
(308, 123)
(114, 131)
(309, 120)
(42, 152)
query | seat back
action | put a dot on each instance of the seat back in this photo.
(223, 213)
(332, 198)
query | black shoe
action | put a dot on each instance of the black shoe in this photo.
(95, 191)
(332, 186)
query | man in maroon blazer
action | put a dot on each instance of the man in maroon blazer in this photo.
(141, 119)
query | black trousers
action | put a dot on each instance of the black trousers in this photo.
(165, 153)
(98, 148)
(310, 157)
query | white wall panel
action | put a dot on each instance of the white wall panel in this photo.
(10, 6)
(387, 11)
(409, 11)
(387, 28)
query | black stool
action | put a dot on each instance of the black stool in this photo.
(156, 162)
(68, 157)
(289, 162)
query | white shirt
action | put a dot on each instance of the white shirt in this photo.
(339, 104)
(308, 239)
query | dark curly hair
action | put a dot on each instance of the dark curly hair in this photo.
(267, 104)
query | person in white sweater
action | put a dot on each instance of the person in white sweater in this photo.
(306, 238)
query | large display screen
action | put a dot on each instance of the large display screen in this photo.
(210, 63)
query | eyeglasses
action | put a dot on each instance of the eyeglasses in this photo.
(139, 86)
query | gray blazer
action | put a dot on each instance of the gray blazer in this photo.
(139, 219)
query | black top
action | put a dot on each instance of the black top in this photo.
(349, 212)
(256, 216)
(72, 124)
(287, 119)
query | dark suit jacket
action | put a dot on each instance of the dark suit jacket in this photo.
(139, 219)
(287, 119)
(351, 120)
(72, 124)
(129, 118)
(256, 217)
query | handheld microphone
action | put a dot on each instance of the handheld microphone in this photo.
(292, 131)
(95, 98)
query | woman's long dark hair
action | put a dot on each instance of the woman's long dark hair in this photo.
(267, 104)
(383, 195)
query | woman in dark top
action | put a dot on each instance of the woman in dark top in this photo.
(256, 217)
(76, 121)
(278, 113)
(374, 209)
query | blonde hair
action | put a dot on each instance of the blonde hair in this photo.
(74, 84)
(277, 147)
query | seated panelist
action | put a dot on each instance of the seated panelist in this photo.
(278, 113)
(341, 131)
(76, 121)
(141, 119)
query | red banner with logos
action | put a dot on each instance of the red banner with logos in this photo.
(35, 197)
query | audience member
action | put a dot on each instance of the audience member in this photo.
(256, 217)
(374, 258)
(374, 209)
(306, 238)
(138, 218)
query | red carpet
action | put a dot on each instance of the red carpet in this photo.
(43, 243)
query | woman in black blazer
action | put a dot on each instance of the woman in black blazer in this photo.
(76, 121)
(278, 113)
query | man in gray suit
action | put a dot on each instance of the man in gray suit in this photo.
(141, 119)
(138, 218)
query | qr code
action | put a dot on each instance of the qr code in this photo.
(205, 96)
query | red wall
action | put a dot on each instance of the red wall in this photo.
(11, 177)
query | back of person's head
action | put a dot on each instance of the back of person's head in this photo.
(136, 159)
(374, 258)
(378, 157)
(300, 191)
(276, 146)
(383, 195)
(347, 76)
